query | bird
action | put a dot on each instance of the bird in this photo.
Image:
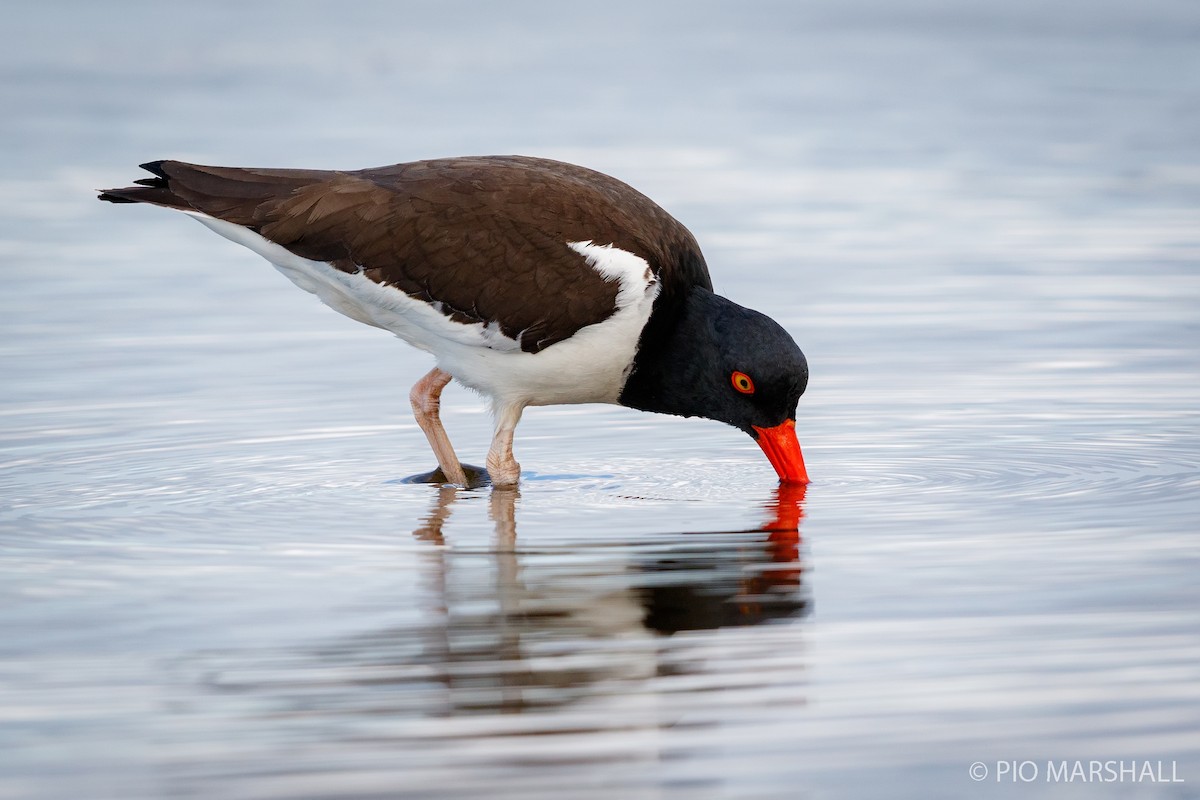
(532, 281)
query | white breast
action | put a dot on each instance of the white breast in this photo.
(589, 367)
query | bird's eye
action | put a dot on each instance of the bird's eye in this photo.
(741, 381)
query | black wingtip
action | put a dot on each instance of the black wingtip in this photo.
(114, 198)
(141, 192)
(155, 168)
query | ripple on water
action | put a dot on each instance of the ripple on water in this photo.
(1046, 471)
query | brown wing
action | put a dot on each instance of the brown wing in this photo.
(486, 237)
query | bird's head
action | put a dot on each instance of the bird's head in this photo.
(731, 364)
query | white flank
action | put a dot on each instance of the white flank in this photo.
(590, 367)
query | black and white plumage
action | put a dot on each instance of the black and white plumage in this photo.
(532, 281)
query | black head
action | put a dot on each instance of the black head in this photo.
(727, 363)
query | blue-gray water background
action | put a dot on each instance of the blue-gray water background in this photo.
(981, 221)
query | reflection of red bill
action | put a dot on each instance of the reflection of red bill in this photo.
(783, 451)
(786, 512)
(783, 541)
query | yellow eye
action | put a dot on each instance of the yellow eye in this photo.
(741, 381)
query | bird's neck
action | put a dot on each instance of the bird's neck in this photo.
(674, 350)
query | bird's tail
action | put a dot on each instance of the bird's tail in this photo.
(155, 191)
(229, 193)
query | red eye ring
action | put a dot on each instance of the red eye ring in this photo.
(741, 381)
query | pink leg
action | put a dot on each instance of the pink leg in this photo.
(501, 465)
(426, 399)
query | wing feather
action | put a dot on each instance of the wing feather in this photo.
(485, 238)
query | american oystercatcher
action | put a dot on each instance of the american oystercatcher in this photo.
(532, 281)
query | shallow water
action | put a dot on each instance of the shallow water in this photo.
(979, 223)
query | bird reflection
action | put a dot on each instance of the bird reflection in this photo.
(507, 629)
(735, 582)
(546, 630)
(561, 655)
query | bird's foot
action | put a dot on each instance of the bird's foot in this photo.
(477, 477)
(504, 473)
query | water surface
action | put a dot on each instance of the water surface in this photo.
(979, 223)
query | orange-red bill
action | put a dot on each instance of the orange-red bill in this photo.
(783, 451)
